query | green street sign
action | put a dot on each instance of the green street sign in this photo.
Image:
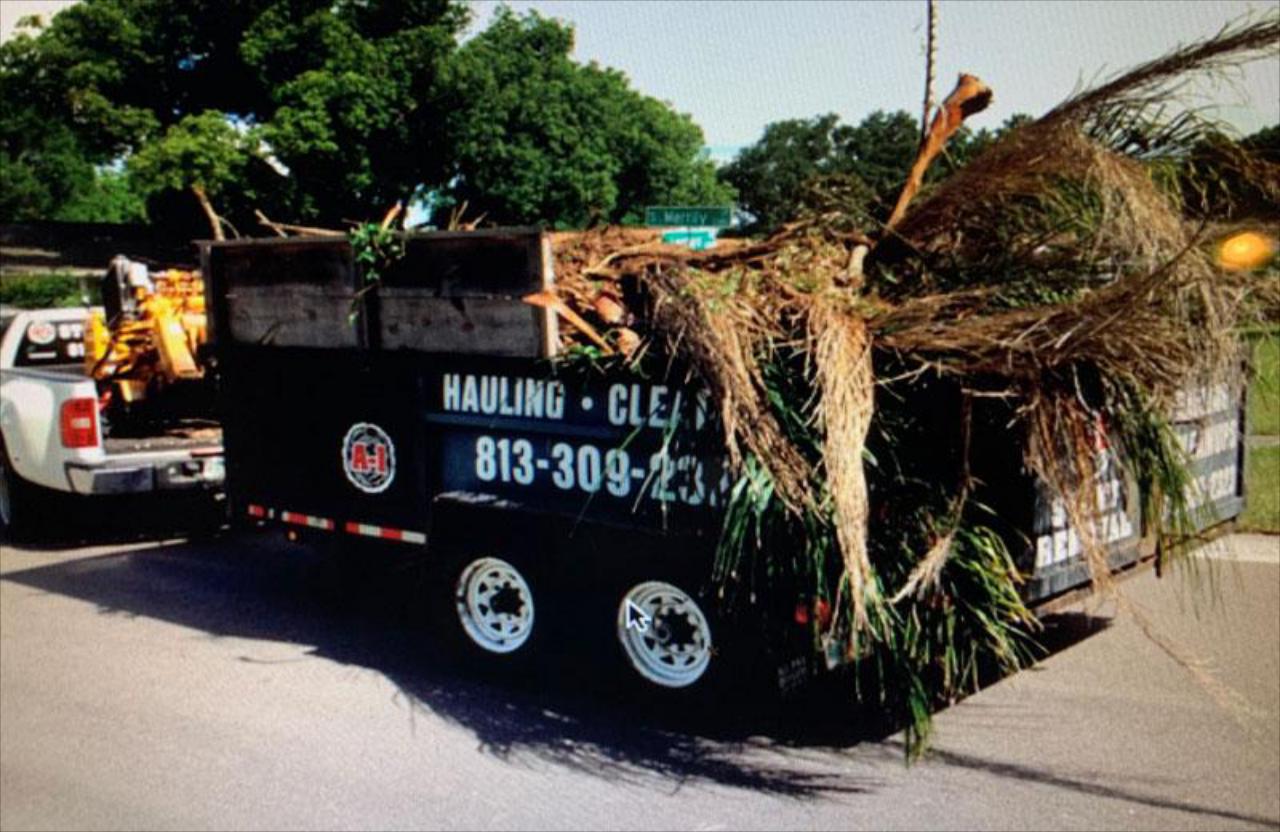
(698, 239)
(712, 216)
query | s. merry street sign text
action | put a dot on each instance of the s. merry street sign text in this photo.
(678, 216)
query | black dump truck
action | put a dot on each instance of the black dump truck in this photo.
(426, 413)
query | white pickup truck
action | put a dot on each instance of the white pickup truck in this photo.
(54, 440)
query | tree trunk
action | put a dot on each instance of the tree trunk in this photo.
(209, 213)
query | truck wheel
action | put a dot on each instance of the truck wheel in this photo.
(19, 501)
(494, 605)
(664, 634)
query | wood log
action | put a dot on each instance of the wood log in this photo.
(550, 300)
(969, 97)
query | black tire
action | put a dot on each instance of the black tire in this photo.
(485, 609)
(21, 503)
(668, 647)
(732, 678)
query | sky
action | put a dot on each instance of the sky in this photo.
(738, 66)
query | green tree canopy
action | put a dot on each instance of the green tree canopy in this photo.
(537, 137)
(203, 153)
(354, 91)
(45, 170)
(772, 175)
(797, 160)
(337, 95)
(1264, 144)
(325, 110)
(1222, 178)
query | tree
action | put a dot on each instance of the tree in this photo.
(1264, 144)
(662, 160)
(781, 175)
(45, 173)
(38, 176)
(111, 197)
(355, 110)
(880, 151)
(338, 94)
(966, 144)
(798, 163)
(327, 110)
(1222, 178)
(771, 176)
(42, 162)
(203, 153)
(536, 137)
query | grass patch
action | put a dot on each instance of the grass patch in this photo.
(1264, 393)
(1262, 468)
(40, 291)
(1263, 491)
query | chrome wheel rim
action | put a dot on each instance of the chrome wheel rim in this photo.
(664, 634)
(495, 605)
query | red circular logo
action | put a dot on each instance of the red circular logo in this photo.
(369, 458)
(41, 332)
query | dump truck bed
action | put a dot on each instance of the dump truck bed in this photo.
(356, 407)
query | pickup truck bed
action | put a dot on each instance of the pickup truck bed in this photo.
(55, 438)
(182, 436)
(128, 438)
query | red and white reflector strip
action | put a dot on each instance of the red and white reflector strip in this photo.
(365, 529)
(307, 520)
(385, 533)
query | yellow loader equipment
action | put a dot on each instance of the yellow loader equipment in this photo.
(150, 331)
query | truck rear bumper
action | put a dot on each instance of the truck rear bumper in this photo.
(115, 478)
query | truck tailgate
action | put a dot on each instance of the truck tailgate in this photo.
(289, 424)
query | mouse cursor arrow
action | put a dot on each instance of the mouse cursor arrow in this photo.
(636, 618)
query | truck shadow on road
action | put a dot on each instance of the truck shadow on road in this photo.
(255, 587)
(566, 713)
(65, 522)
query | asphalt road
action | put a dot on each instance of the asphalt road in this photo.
(221, 684)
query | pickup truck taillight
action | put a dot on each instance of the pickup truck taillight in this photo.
(79, 422)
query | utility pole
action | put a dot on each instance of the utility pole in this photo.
(931, 54)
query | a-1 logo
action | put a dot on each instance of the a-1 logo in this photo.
(41, 332)
(369, 458)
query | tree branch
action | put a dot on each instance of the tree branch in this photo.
(209, 213)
